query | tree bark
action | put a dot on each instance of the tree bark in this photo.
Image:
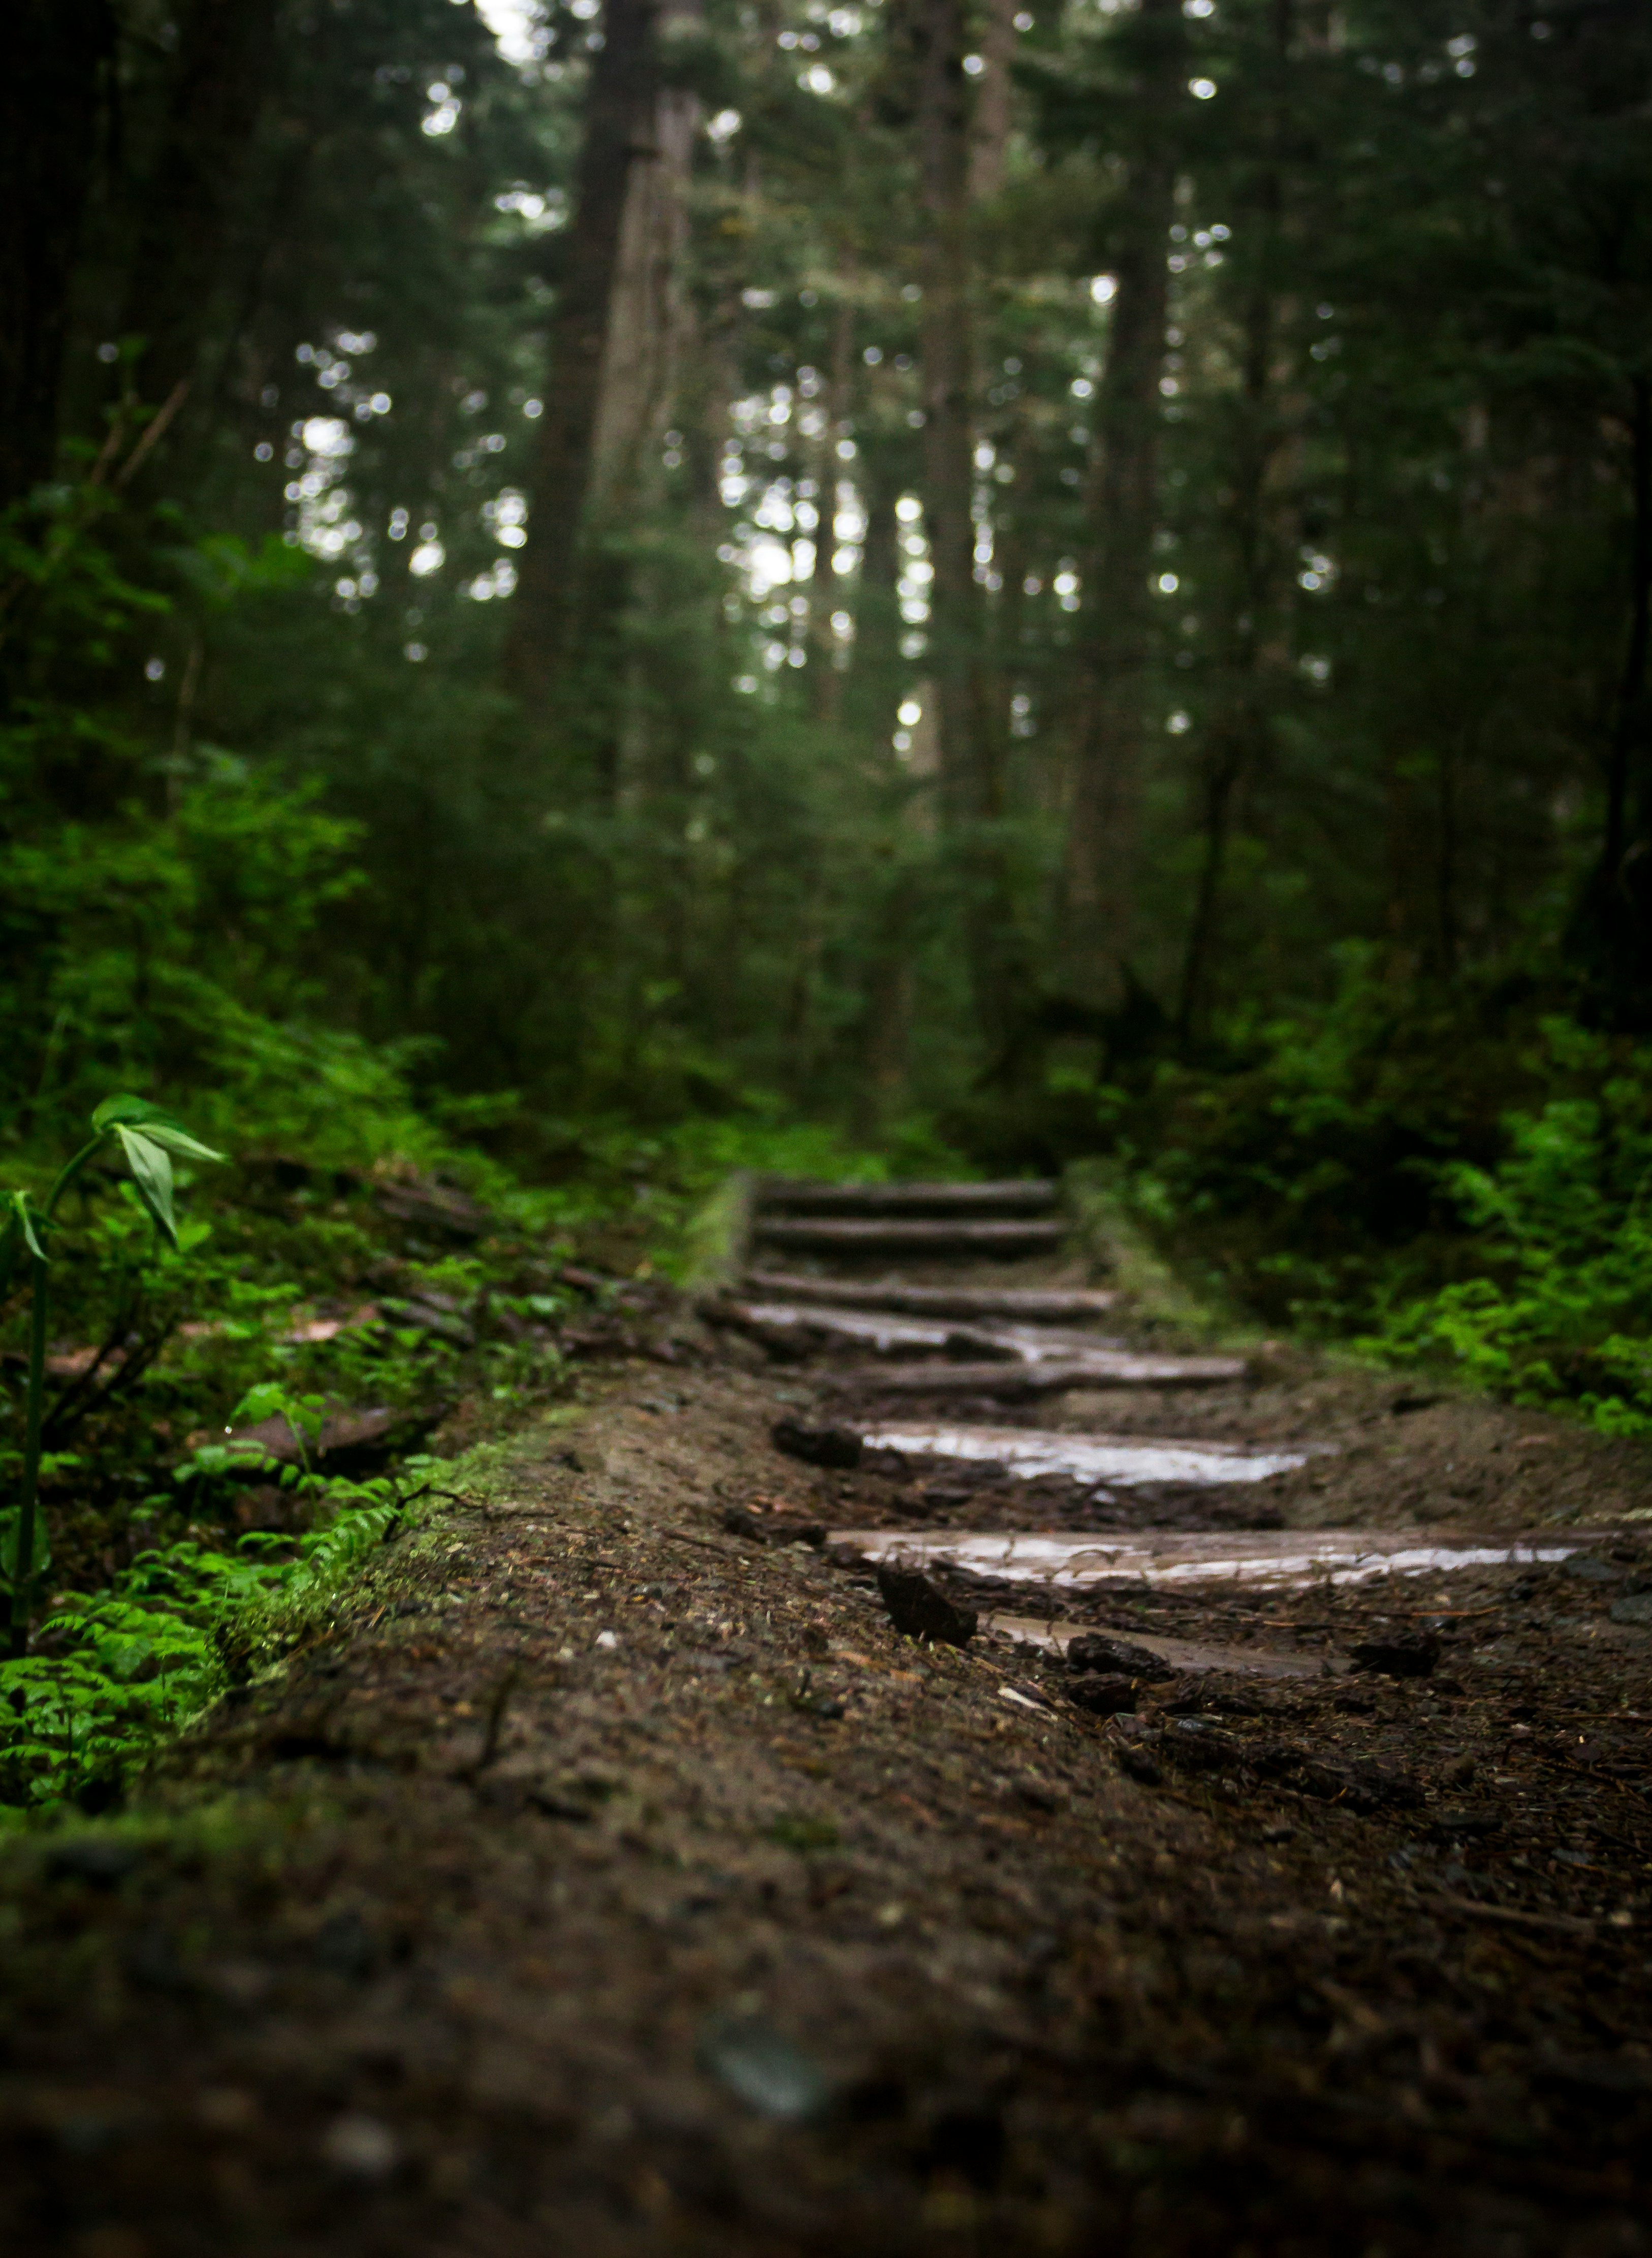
(1631, 726)
(224, 73)
(1239, 728)
(948, 432)
(872, 687)
(1610, 932)
(825, 670)
(620, 122)
(50, 96)
(989, 140)
(647, 315)
(970, 777)
(1104, 837)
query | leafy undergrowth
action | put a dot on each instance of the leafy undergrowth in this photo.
(232, 1424)
(1466, 1191)
(114, 1673)
(1564, 1311)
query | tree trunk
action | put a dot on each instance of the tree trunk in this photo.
(647, 315)
(825, 670)
(1610, 932)
(224, 72)
(49, 104)
(1238, 732)
(1224, 764)
(1104, 837)
(620, 120)
(872, 684)
(970, 780)
(1630, 729)
(886, 1028)
(949, 434)
(989, 140)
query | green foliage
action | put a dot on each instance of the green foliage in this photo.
(115, 1674)
(148, 1136)
(1303, 1172)
(1362, 1176)
(1562, 1225)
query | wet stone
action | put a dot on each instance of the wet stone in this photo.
(1588, 1569)
(1102, 1692)
(817, 1446)
(1398, 1654)
(761, 2067)
(1096, 1651)
(920, 1609)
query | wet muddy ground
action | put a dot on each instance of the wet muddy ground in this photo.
(612, 1876)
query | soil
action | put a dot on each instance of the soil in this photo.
(610, 1876)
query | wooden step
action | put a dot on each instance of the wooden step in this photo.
(1262, 1559)
(891, 1333)
(1013, 1197)
(1097, 1369)
(1028, 1305)
(835, 1237)
(1120, 1461)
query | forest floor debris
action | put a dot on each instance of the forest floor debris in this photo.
(599, 1878)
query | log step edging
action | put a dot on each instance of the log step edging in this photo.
(888, 1333)
(1049, 1377)
(833, 1235)
(1025, 1305)
(1012, 1196)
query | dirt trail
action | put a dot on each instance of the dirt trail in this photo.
(613, 1877)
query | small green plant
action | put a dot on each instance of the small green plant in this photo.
(148, 1136)
(305, 1416)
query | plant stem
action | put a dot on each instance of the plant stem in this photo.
(70, 1169)
(23, 1575)
(28, 1510)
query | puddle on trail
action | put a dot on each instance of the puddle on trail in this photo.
(1124, 1463)
(1278, 1559)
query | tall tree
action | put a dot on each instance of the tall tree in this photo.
(971, 776)
(1233, 740)
(648, 322)
(1104, 833)
(622, 121)
(224, 73)
(989, 136)
(50, 99)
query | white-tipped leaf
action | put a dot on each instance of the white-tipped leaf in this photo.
(179, 1141)
(152, 1173)
(151, 1121)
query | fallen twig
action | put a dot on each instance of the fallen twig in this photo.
(1568, 1924)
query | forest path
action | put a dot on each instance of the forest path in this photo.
(614, 1879)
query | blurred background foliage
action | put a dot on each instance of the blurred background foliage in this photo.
(590, 592)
